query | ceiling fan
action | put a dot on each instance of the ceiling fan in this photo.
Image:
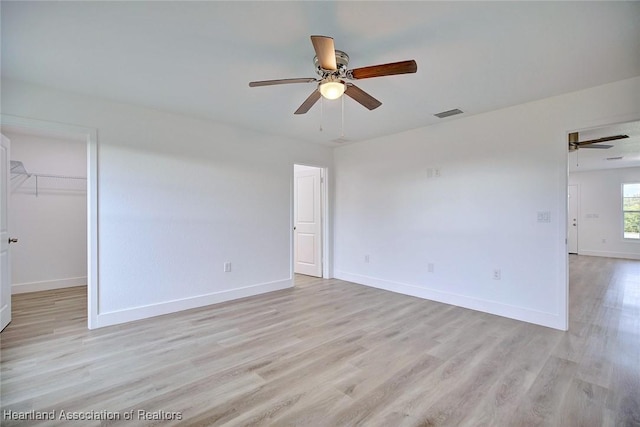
(331, 67)
(574, 144)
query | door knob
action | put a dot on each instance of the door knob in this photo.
(13, 240)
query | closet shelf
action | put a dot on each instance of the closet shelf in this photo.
(18, 170)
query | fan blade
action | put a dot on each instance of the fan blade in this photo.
(281, 82)
(605, 139)
(403, 67)
(325, 51)
(308, 103)
(574, 144)
(596, 146)
(362, 97)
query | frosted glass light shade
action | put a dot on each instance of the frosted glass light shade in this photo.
(332, 90)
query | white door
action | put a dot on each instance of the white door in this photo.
(5, 276)
(307, 234)
(572, 228)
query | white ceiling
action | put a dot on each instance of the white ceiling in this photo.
(196, 58)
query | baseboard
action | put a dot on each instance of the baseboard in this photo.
(604, 254)
(147, 311)
(48, 285)
(551, 320)
(5, 315)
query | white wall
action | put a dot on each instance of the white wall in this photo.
(497, 172)
(177, 198)
(600, 212)
(52, 228)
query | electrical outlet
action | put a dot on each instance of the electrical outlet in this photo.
(497, 274)
(604, 240)
(430, 267)
(436, 172)
(544, 216)
(366, 258)
(227, 267)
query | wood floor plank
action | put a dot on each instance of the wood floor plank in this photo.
(542, 404)
(531, 347)
(416, 400)
(332, 353)
(585, 405)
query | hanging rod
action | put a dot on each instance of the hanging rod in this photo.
(46, 175)
(42, 175)
(18, 169)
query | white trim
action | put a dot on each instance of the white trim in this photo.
(551, 320)
(147, 311)
(562, 280)
(5, 250)
(562, 272)
(605, 254)
(622, 211)
(48, 285)
(326, 232)
(93, 278)
(91, 136)
(5, 314)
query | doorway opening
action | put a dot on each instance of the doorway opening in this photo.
(602, 158)
(53, 214)
(607, 157)
(310, 229)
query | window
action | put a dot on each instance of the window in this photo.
(631, 210)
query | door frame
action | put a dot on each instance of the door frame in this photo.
(326, 247)
(91, 137)
(5, 285)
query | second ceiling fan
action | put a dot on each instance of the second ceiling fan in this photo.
(574, 144)
(331, 67)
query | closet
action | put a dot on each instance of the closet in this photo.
(47, 212)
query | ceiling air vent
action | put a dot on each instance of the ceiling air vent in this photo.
(614, 158)
(449, 113)
(340, 140)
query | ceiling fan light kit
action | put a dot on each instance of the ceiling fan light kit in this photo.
(331, 67)
(332, 88)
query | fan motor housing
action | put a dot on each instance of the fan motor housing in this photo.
(342, 60)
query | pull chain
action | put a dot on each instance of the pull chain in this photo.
(321, 112)
(342, 131)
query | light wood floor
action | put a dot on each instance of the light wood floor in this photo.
(331, 353)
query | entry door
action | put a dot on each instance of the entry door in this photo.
(307, 234)
(5, 276)
(572, 228)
